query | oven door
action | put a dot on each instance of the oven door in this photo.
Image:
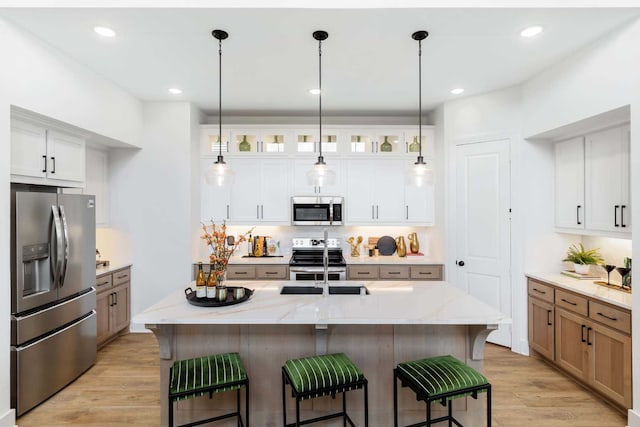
(316, 273)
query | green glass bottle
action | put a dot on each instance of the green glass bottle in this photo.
(414, 147)
(244, 145)
(386, 147)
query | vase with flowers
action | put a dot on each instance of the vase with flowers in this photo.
(221, 248)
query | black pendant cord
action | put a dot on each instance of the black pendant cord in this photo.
(420, 99)
(220, 99)
(320, 159)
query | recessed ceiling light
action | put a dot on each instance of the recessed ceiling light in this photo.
(104, 31)
(314, 91)
(175, 91)
(457, 91)
(531, 31)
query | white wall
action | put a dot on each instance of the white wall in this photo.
(151, 204)
(37, 78)
(602, 77)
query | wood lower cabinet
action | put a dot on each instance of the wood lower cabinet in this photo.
(587, 338)
(394, 272)
(113, 304)
(251, 271)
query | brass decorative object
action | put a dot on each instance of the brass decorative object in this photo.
(355, 245)
(414, 245)
(401, 247)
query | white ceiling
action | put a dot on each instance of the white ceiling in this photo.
(270, 58)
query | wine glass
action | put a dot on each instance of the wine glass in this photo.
(623, 272)
(608, 268)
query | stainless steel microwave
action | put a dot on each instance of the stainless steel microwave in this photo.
(317, 210)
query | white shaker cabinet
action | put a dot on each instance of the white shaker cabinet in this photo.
(302, 188)
(569, 183)
(418, 203)
(215, 201)
(43, 156)
(97, 183)
(607, 192)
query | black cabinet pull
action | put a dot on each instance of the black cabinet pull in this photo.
(271, 272)
(115, 297)
(589, 329)
(393, 272)
(607, 317)
(578, 214)
(363, 273)
(549, 318)
(112, 298)
(426, 272)
(121, 277)
(240, 272)
(53, 169)
(539, 291)
(622, 224)
(569, 302)
(582, 334)
(45, 164)
(615, 216)
(103, 283)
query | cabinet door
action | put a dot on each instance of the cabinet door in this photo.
(245, 191)
(541, 328)
(67, 156)
(389, 182)
(571, 348)
(569, 176)
(603, 153)
(103, 315)
(360, 203)
(302, 188)
(625, 169)
(215, 201)
(28, 150)
(275, 199)
(209, 138)
(412, 145)
(389, 142)
(121, 312)
(611, 363)
(245, 141)
(96, 183)
(419, 205)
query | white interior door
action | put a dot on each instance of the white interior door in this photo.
(483, 229)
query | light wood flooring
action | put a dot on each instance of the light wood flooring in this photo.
(122, 389)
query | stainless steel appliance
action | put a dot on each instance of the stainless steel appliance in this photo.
(317, 210)
(307, 260)
(53, 316)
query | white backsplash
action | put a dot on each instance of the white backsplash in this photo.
(284, 234)
(614, 251)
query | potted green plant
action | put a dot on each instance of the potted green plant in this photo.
(582, 259)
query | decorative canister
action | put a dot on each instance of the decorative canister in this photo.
(414, 245)
(401, 247)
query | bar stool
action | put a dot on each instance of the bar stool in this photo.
(209, 374)
(317, 376)
(442, 379)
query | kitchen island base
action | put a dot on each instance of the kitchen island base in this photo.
(375, 349)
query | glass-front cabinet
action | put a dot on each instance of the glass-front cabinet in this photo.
(252, 141)
(306, 141)
(375, 141)
(210, 141)
(428, 141)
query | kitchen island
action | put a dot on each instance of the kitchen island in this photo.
(397, 321)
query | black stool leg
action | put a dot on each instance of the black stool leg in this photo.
(450, 414)
(366, 403)
(238, 407)
(489, 406)
(284, 402)
(344, 409)
(170, 412)
(246, 403)
(428, 413)
(395, 399)
(297, 412)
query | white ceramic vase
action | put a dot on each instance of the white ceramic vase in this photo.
(581, 268)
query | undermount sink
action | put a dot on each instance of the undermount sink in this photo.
(313, 290)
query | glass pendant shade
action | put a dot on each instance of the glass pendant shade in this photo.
(320, 175)
(420, 175)
(220, 174)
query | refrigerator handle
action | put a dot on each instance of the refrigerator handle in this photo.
(65, 233)
(57, 226)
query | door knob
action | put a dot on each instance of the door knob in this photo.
(460, 263)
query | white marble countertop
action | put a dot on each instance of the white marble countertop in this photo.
(586, 287)
(111, 268)
(437, 303)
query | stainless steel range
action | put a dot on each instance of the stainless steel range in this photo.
(307, 260)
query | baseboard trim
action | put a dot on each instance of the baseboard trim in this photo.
(633, 418)
(8, 419)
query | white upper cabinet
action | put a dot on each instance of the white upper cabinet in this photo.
(253, 141)
(209, 140)
(419, 208)
(569, 184)
(412, 142)
(302, 188)
(43, 156)
(215, 201)
(607, 186)
(97, 183)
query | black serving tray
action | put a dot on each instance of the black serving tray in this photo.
(210, 302)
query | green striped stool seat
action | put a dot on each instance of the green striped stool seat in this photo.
(208, 375)
(317, 376)
(442, 379)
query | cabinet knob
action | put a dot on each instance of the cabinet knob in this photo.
(460, 263)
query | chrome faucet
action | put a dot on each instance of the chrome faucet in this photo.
(325, 264)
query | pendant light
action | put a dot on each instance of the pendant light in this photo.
(220, 174)
(320, 175)
(421, 174)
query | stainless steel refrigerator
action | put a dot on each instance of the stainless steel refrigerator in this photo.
(53, 320)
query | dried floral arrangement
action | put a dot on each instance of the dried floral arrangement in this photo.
(221, 247)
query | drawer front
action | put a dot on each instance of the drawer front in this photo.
(104, 282)
(121, 276)
(426, 272)
(540, 290)
(400, 272)
(572, 302)
(369, 272)
(241, 272)
(272, 272)
(610, 316)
